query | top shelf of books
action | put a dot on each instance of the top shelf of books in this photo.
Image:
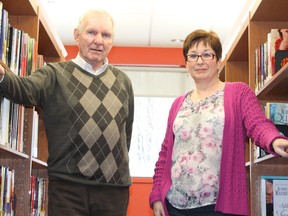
(30, 17)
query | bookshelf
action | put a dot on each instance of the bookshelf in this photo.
(28, 16)
(239, 65)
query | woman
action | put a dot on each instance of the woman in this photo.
(201, 165)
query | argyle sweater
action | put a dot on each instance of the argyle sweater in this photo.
(88, 120)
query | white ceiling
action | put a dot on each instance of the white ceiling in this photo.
(150, 23)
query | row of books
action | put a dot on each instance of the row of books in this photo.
(278, 113)
(270, 57)
(13, 134)
(274, 195)
(18, 51)
(18, 54)
(7, 195)
(38, 196)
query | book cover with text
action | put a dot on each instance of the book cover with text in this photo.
(274, 195)
(277, 112)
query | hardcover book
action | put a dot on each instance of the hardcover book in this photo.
(278, 113)
(274, 195)
(272, 37)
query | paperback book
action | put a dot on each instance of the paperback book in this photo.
(274, 195)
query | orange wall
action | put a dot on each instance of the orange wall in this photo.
(139, 197)
(139, 55)
(141, 187)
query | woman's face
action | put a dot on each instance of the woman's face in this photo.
(203, 70)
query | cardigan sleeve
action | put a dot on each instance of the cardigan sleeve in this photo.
(259, 128)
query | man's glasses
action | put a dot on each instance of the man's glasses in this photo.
(204, 57)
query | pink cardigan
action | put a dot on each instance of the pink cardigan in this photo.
(243, 117)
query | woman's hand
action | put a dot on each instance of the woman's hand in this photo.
(280, 146)
(2, 72)
(158, 209)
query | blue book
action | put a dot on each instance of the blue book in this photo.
(278, 113)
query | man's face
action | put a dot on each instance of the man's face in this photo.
(95, 40)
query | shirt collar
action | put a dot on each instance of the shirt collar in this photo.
(87, 67)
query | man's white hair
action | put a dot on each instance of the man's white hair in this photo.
(93, 12)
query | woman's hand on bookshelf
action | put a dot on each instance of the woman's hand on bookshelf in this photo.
(280, 146)
(2, 72)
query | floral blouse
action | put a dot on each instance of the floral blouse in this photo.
(198, 130)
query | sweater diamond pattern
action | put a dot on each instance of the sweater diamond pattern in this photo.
(100, 111)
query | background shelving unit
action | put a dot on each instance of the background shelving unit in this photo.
(27, 15)
(239, 65)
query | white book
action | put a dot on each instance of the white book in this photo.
(35, 134)
(5, 112)
(274, 195)
(280, 197)
(274, 35)
(20, 134)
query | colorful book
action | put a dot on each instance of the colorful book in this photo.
(273, 39)
(281, 49)
(277, 112)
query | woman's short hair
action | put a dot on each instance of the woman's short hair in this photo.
(209, 38)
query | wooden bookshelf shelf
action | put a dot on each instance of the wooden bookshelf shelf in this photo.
(271, 160)
(239, 49)
(49, 46)
(7, 152)
(39, 163)
(276, 89)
